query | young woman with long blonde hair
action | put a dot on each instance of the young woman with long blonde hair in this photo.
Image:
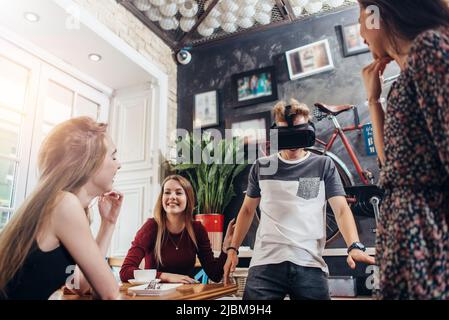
(48, 242)
(171, 240)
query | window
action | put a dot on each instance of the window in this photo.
(34, 97)
(13, 88)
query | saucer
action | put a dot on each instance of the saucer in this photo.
(138, 282)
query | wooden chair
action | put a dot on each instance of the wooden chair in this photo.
(115, 262)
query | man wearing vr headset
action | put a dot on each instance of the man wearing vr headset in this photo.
(287, 256)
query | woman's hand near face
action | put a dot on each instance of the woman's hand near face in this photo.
(109, 205)
(371, 78)
(373, 86)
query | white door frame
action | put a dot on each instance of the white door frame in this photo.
(50, 73)
(160, 77)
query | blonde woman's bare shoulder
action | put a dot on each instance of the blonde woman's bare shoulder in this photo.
(68, 207)
(66, 198)
(67, 213)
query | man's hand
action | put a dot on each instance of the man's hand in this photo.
(359, 256)
(229, 234)
(230, 265)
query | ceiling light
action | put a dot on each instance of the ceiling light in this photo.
(95, 57)
(31, 16)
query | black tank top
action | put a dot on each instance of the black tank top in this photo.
(41, 274)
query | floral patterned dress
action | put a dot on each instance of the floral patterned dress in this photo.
(412, 246)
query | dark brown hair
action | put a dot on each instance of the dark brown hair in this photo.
(407, 19)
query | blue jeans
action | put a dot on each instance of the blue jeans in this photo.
(275, 281)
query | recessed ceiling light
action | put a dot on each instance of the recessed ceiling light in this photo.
(95, 57)
(31, 16)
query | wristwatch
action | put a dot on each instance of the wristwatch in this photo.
(357, 245)
(233, 248)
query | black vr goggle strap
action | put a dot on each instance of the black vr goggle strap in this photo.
(288, 115)
(289, 118)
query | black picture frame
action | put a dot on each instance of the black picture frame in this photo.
(251, 121)
(352, 43)
(206, 109)
(254, 86)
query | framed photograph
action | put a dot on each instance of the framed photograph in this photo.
(251, 127)
(255, 86)
(206, 110)
(352, 42)
(310, 59)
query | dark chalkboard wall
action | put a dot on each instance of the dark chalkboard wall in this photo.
(212, 66)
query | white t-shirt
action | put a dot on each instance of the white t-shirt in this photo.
(293, 209)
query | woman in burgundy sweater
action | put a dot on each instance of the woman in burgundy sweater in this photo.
(171, 240)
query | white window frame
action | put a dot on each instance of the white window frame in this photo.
(10, 52)
(50, 73)
(40, 73)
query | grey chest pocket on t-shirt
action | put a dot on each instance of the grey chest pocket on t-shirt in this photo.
(308, 188)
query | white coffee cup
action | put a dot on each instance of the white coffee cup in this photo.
(145, 275)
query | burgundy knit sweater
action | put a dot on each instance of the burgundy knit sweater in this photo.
(181, 261)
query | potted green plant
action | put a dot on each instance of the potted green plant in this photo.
(212, 180)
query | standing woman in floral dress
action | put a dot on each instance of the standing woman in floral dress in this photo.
(412, 140)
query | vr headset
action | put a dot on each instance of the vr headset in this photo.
(293, 137)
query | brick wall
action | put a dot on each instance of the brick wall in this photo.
(131, 30)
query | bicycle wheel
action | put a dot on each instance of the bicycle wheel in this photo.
(332, 230)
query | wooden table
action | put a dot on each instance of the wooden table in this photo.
(184, 292)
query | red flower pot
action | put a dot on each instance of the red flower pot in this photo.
(214, 223)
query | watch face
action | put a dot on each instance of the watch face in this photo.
(357, 245)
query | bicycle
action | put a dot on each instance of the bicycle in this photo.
(364, 199)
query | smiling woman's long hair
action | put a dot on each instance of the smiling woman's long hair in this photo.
(160, 216)
(407, 19)
(72, 152)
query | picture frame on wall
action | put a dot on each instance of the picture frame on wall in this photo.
(251, 127)
(310, 59)
(206, 110)
(352, 41)
(254, 86)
